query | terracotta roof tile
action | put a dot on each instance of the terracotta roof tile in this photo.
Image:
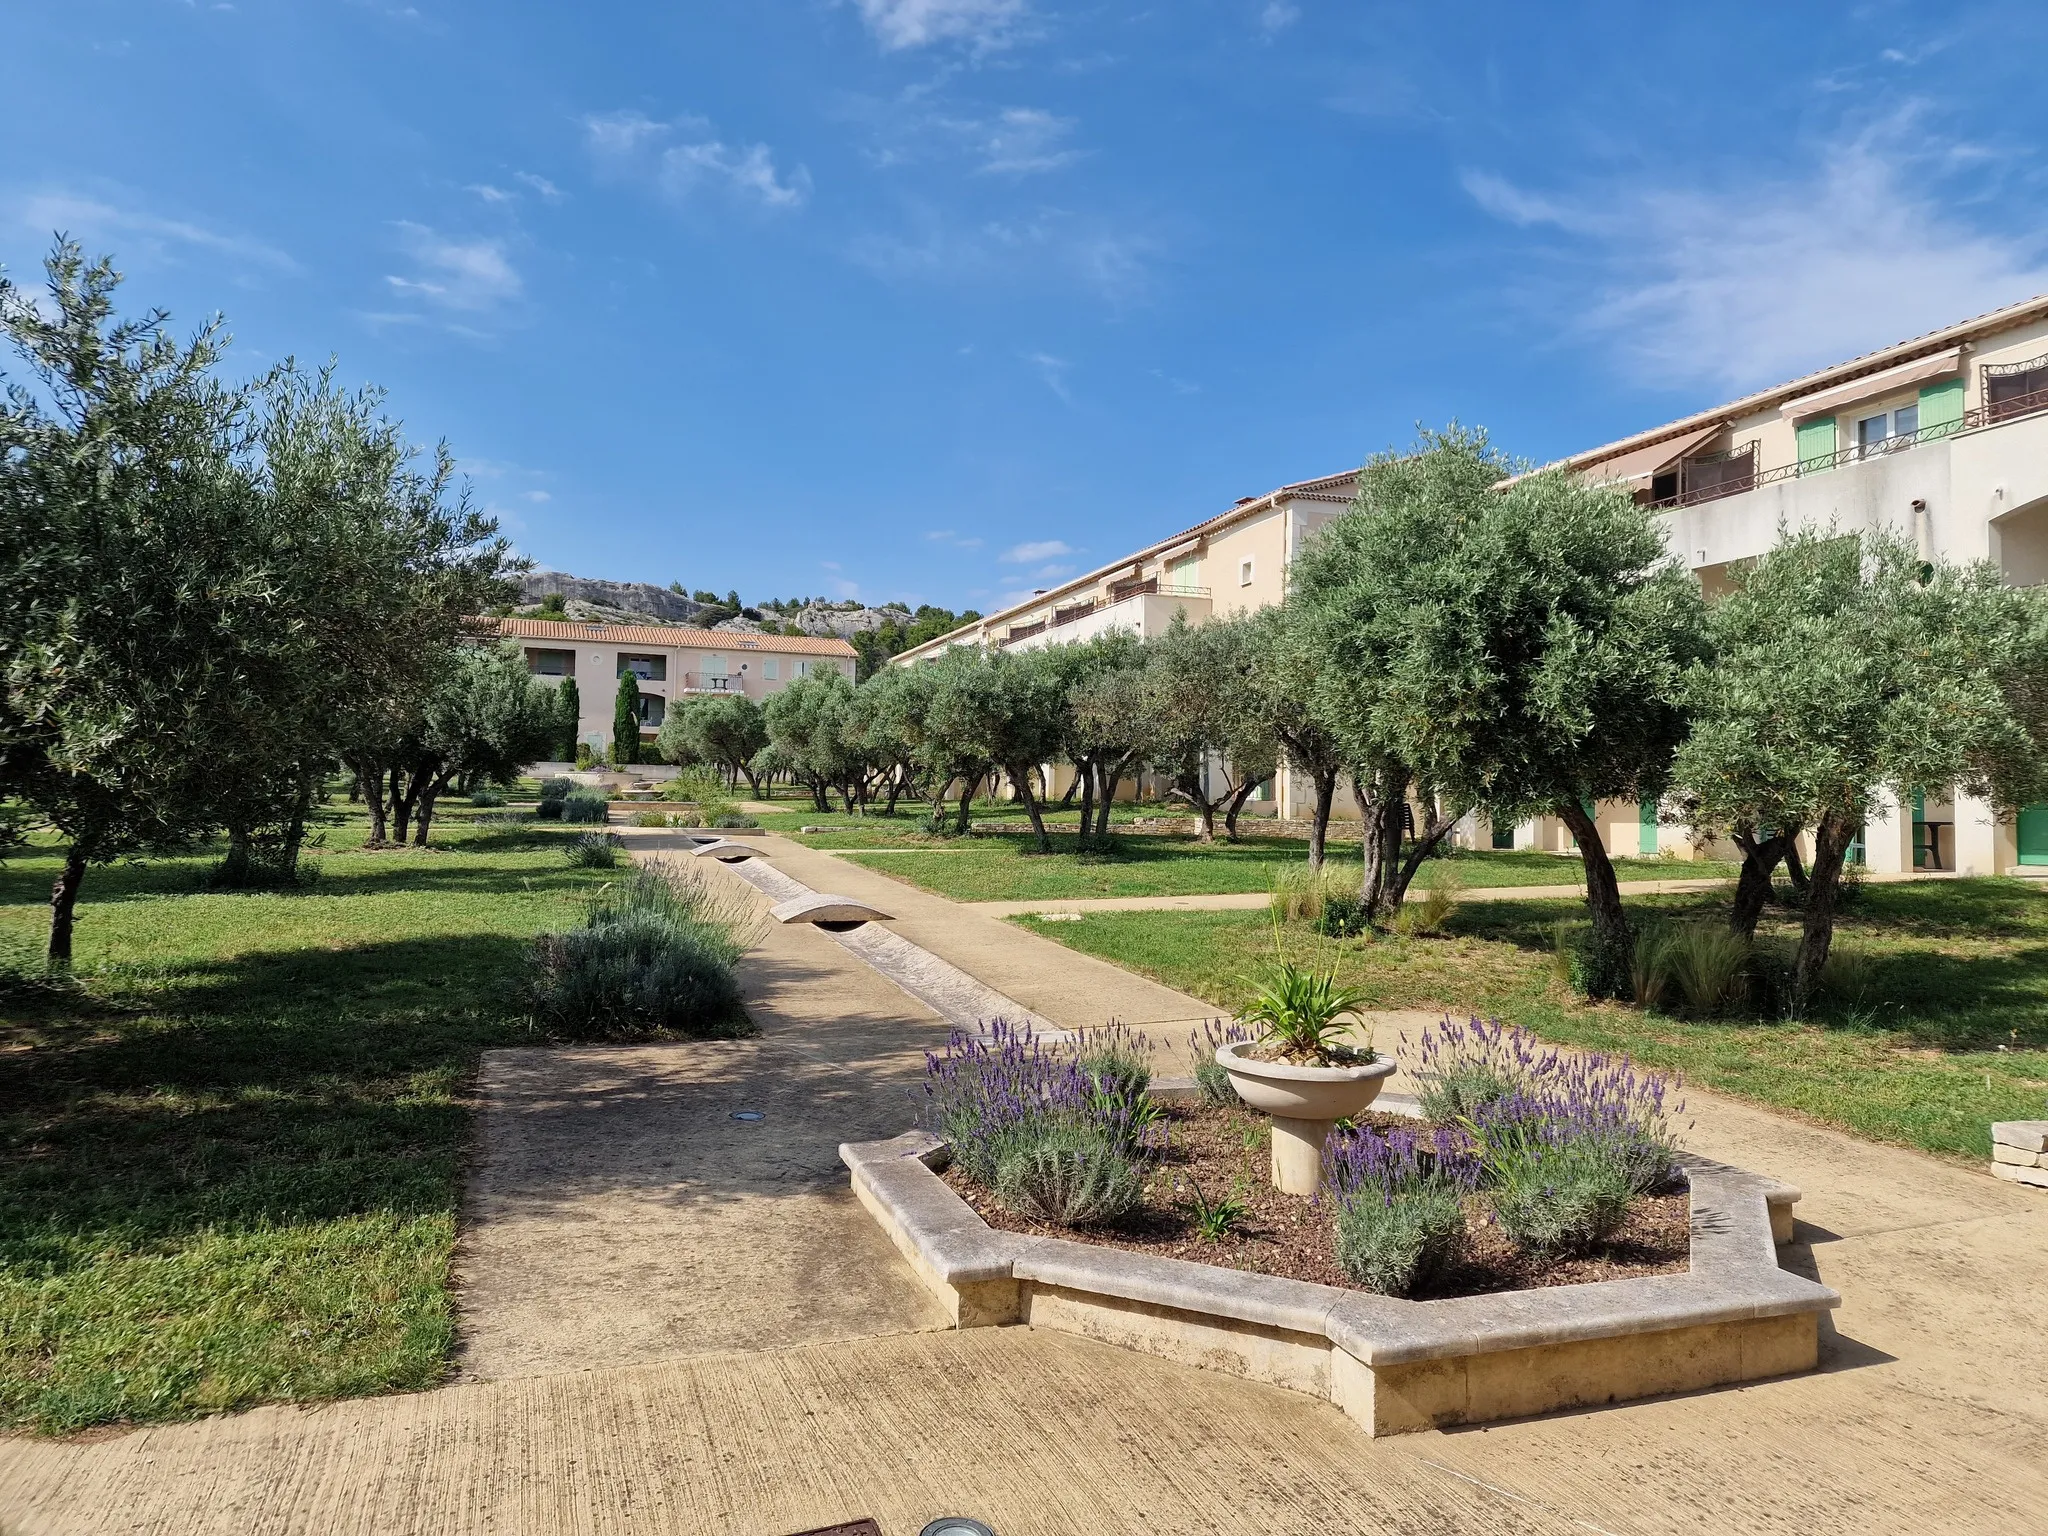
(686, 635)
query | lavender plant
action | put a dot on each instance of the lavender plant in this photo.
(1030, 1121)
(1211, 1080)
(1400, 1220)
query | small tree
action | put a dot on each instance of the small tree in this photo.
(626, 721)
(806, 725)
(1007, 709)
(1283, 682)
(1843, 665)
(725, 729)
(569, 713)
(1517, 648)
(1111, 727)
(1208, 735)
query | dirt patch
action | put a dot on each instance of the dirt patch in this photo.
(1222, 1153)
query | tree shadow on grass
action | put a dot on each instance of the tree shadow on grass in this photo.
(274, 1089)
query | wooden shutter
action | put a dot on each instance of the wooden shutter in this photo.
(1816, 441)
(1941, 405)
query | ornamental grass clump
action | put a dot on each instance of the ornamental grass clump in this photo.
(1030, 1122)
(655, 956)
(596, 850)
(1400, 1213)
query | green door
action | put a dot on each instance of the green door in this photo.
(1646, 829)
(1503, 834)
(2034, 833)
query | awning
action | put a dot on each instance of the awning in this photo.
(1872, 385)
(1642, 463)
(1185, 547)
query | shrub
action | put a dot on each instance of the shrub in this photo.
(990, 1094)
(557, 788)
(548, 810)
(1400, 1212)
(693, 784)
(1558, 1197)
(1710, 966)
(585, 758)
(1342, 915)
(596, 850)
(731, 818)
(655, 956)
(1075, 1175)
(1298, 893)
(650, 818)
(1396, 1245)
(1212, 1080)
(487, 796)
(1512, 1091)
(586, 805)
(1847, 976)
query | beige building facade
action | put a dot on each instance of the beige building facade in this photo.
(669, 663)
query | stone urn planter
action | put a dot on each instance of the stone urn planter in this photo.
(1303, 1103)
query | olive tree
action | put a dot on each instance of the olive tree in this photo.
(1514, 646)
(726, 729)
(1006, 709)
(1285, 663)
(1213, 744)
(1843, 665)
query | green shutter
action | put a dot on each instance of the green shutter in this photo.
(1941, 405)
(1816, 441)
(1646, 828)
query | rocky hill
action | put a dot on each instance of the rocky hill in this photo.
(588, 600)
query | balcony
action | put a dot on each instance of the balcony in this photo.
(714, 682)
(1730, 474)
(1145, 611)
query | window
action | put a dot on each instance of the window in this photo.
(770, 671)
(651, 707)
(2016, 388)
(1244, 573)
(550, 663)
(648, 669)
(1873, 432)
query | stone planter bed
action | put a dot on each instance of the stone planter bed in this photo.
(1731, 1315)
(1293, 1238)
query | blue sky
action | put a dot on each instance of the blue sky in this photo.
(942, 299)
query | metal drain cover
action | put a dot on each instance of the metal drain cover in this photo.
(748, 1115)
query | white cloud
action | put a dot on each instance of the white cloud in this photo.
(1749, 283)
(1110, 259)
(535, 496)
(983, 25)
(1278, 16)
(489, 193)
(948, 536)
(681, 156)
(1043, 549)
(1053, 370)
(471, 277)
(1024, 140)
(540, 184)
(93, 221)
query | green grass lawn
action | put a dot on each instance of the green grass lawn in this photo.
(1007, 866)
(232, 1159)
(1949, 1032)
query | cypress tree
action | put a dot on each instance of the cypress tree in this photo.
(626, 721)
(571, 708)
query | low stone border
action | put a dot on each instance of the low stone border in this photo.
(2019, 1151)
(1393, 1366)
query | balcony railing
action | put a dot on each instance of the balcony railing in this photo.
(1075, 612)
(714, 682)
(1734, 484)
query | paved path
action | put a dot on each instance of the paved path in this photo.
(751, 1417)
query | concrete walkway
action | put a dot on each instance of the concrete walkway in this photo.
(788, 1382)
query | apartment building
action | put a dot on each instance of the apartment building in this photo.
(670, 663)
(1943, 438)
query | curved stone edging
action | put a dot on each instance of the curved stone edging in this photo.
(1392, 1365)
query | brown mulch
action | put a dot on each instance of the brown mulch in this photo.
(1223, 1152)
